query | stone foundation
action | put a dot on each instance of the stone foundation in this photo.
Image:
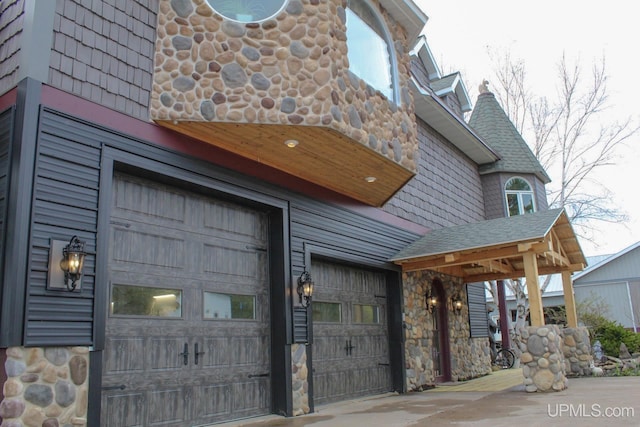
(577, 351)
(300, 383)
(542, 358)
(45, 387)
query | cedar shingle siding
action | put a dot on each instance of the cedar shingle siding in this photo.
(104, 52)
(12, 12)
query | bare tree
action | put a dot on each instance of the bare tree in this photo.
(571, 138)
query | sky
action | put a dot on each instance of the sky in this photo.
(461, 33)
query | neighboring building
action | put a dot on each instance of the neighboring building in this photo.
(209, 154)
(614, 280)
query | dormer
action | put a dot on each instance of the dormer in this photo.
(292, 84)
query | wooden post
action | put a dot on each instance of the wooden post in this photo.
(569, 300)
(504, 315)
(533, 289)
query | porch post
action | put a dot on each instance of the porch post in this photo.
(533, 288)
(569, 300)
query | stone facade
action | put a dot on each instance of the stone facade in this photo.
(290, 70)
(45, 387)
(470, 357)
(576, 347)
(299, 380)
(542, 358)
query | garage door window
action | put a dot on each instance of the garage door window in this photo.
(366, 314)
(327, 312)
(229, 306)
(127, 300)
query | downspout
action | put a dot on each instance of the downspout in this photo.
(633, 317)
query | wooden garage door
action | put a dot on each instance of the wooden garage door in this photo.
(187, 335)
(350, 334)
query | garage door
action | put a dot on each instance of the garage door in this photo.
(187, 335)
(351, 344)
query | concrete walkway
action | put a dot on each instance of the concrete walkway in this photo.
(482, 402)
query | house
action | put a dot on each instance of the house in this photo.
(615, 280)
(214, 210)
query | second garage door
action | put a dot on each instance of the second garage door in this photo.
(351, 340)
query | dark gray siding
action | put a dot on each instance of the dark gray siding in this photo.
(6, 128)
(477, 310)
(66, 203)
(494, 202)
(446, 190)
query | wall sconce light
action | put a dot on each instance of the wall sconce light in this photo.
(456, 302)
(431, 301)
(72, 262)
(305, 288)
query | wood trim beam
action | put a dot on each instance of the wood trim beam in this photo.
(569, 300)
(533, 289)
(515, 274)
(430, 263)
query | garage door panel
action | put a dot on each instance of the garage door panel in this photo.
(123, 354)
(146, 199)
(124, 409)
(172, 269)
(212, 401)
(351, 353)
(168, 406)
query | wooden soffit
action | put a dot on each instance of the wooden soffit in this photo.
(323, 156)
(494, 249)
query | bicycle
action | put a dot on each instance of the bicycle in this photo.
(505, 358)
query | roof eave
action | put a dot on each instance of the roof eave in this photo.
(409, 15)
(437, 115)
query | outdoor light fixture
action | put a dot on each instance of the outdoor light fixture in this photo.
(305, 288)
(431, 301)
(72, 262)
(456, 302)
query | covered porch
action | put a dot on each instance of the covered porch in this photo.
(525, 246)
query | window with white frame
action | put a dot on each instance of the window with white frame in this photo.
(519, 195)
(369, 48)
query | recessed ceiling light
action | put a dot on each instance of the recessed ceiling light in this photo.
(370, 179)
(291, 143)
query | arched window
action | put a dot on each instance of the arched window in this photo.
(370, 49)
(519, 196)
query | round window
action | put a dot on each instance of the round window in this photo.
(247, 10)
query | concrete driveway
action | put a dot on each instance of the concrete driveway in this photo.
(587, 402)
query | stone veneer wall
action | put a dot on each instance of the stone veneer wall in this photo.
(292, 70)
(300, 383)
(45, 387)
(542, 358)
(470, 357)
(576, 347)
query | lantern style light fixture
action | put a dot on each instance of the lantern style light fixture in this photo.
(72, 262)
(456, 302)
(305, 288)
(431, 301)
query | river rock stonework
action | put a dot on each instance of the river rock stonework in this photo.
(289, 70)
(46, 387)
(542, 359)
(300, 382)
(576, 347)
(470, 357)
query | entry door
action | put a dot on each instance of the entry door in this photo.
(187, 335)
(350, 334)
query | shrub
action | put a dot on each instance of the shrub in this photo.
(612, 334)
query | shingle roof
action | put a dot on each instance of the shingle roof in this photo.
(519, 228)
(492, 124)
